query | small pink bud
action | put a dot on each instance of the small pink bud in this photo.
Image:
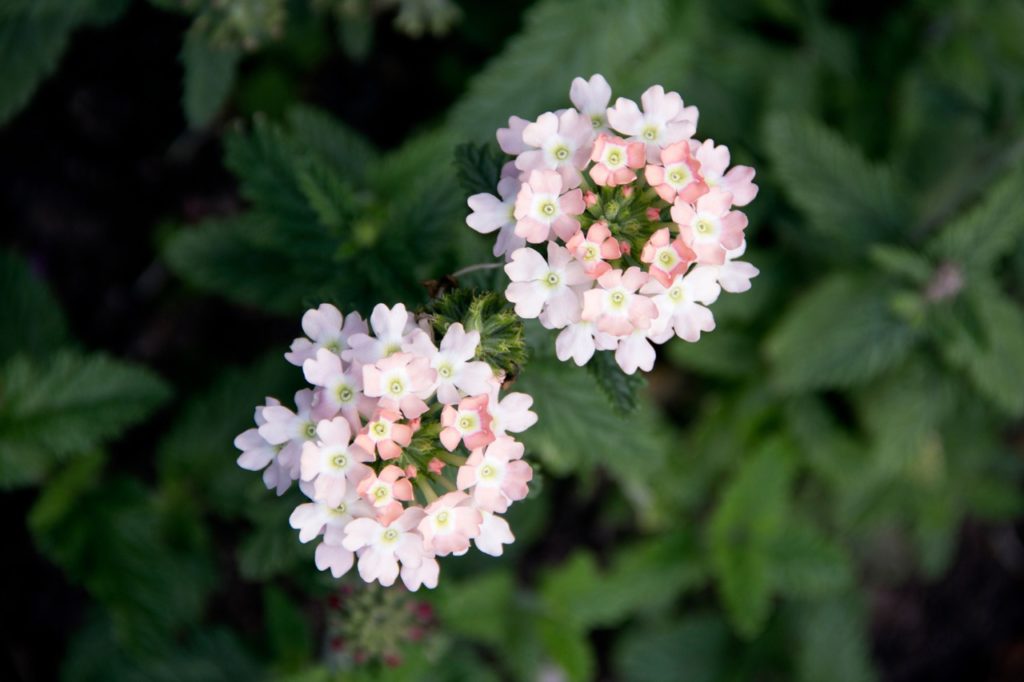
(627, 191)
(589, 198)
(435, 465)
(624, 246)
(411, 471)
(414, 424)
(653, 214)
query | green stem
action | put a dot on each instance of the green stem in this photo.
(428, 493)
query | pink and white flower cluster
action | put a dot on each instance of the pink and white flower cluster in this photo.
(619, 227)
(375, 445)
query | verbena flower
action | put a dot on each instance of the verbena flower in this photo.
(615, 216)
(380, 442)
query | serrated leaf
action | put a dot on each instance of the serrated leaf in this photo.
(806, 563)
(30, 316)
(749, 520)
(67, 406)
(988, 231)
(694, 649)
(349, 154)
(478, 167)
(561, 39)
(844, 197)
(834, 642)
(994, 362)
(621, 389)
(644, 578)
(840, 333)
(210, 72)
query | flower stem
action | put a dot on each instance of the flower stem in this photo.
(428, 492)
(473, 268)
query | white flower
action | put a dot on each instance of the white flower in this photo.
(326, 328)
(591, 99)
(664, 119)
(381, 547)
(546, 286)
(681, 306)
(560, 142)
(492, 213)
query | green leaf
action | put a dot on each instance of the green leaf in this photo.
(561, 39)
(725, 354)
(749, 521)
(347, 152)
(479, 608)
(30, 316)
(844, 197)
(622, 389)
(209, 76)
(568, 647)
(995, 361)
(694, 649)
(807, 563)
(108, 536)
(67, 406)
(644, 578)
(840, 333)
(272, 547)
(987, 232)
(478, 167)
(834, 642)
(30, 49)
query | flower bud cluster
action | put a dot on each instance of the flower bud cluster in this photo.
(619, 228)
(403, 445)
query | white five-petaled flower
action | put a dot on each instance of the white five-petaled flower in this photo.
(382, 546)
(558, 142)
(681, 305)
(492, 213)
(325, 327)
(664, 119)
(334, 462)
(545, 286)
(457, 374)
(591, 97)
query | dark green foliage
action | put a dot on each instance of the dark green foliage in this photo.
(622, 389)
(478, 167)
(209, 76)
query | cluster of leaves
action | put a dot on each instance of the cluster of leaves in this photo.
(855, 400)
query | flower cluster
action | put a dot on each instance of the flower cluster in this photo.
(618, 226)
(375, 444)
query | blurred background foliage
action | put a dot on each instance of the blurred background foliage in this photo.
(827, 487)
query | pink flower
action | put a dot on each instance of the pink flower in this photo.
(557, 142)
(342, 390)
(333, 461)
(511, 413)
(393, 328)
(711, 229)
(497, 475)
(260, 454)
(491, 213)
(494, 532)
(510, 139)
(470, 423)
(576, 341)
(738, 181)
(635, 352)
(450, 523)
(677, 175)
(540, 286)
(382, 546)
(594, 249)
(326, 328)
(664, 119)
(667, 259)
(541, 206)
(615, 160)
(423, 574)
(334, 558)
(591, 99)
(313, 518)
(735, 275)
(386, 491)
(402, 382)
(385, 435)
(681, 305)
(457, 374)
(289, 430)
(615, 307)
